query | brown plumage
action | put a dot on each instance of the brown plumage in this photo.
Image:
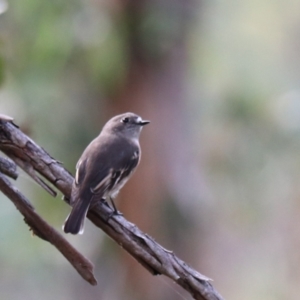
(105, 166)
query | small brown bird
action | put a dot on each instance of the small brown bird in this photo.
(105, 166)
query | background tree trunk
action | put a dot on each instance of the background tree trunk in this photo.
(155, 88)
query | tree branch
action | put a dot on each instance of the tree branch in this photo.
(157, 260)
(40, 228)
(8, 167)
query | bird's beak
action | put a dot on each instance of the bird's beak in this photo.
(144, 122)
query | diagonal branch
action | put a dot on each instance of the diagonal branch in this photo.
(24, 151)
(40, 228)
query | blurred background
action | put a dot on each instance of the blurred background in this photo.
(219, 178)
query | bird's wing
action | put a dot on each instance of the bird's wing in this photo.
(99, 169)
(103, 184)
(120, 170)
(80, 171)
(79, 178)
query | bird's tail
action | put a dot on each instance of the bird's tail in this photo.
(75, 221)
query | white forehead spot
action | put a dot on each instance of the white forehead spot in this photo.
(139, 119)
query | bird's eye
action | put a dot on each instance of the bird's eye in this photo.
(125, 120)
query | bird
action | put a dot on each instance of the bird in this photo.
(104, 167)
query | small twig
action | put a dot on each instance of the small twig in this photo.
(8, 167)
(26, 153)
(40, 228)
(27, 167)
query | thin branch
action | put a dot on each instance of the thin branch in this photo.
(40, 228)
(143, 248)
(8, 167)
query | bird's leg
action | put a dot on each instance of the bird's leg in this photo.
(103, 200)
(115, 212)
